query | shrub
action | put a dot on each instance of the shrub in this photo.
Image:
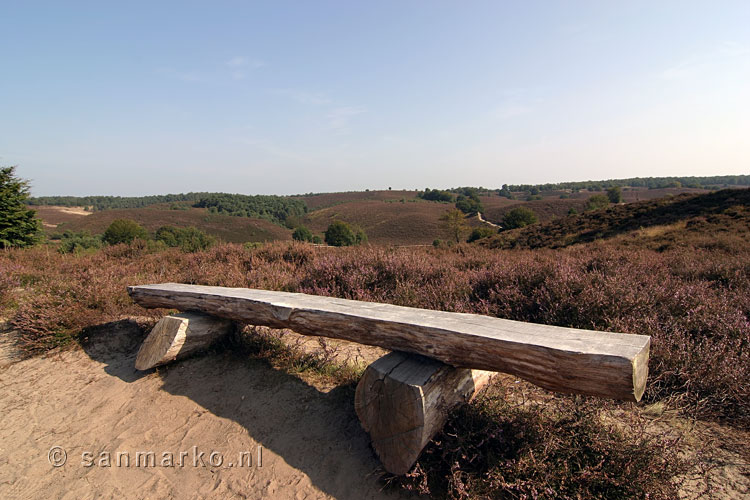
(469, 204)
(78, 242)
(341, 234)
(302, 234)
(519, 217)
(123, 231)
(435, 195)
(19, 226)
(597, 202)
(614, 194)
(317, 240)
(188, 239)
(480, 232)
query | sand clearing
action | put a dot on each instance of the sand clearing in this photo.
(93, 400)
(73, 210)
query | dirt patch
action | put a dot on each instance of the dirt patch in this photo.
(52, 216)
(91, 400)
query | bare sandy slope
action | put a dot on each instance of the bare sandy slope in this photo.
(92, 400)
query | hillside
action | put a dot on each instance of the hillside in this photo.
(317, 201)
(545, 209)
(388, 217)
(670, 219)
(225, 227)
(387, 222)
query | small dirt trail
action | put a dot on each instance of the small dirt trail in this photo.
(482, 219)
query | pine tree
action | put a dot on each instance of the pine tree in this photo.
(19, 226)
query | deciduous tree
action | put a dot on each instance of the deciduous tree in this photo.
(455, 222)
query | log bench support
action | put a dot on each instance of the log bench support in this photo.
(440, 359)
(179, 335)
(403, 400)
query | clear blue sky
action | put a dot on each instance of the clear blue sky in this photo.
(132, 98)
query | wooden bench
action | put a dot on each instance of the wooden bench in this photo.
(403, 399)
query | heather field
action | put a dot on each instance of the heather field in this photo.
(694, 302)
(676, 268)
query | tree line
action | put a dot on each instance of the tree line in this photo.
(111, 202)
(274, 208)
(644, 182)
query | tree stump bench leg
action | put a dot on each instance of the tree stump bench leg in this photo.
(178, 335)
(403, 400)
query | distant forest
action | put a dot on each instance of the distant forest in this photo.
(647, 182)
(110, 202)
(273, 208)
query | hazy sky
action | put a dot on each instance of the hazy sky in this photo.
(282, 97)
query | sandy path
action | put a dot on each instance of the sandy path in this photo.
(93, 400)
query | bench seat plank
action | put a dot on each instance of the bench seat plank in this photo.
(606, 364)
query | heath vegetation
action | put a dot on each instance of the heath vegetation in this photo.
(676, 269)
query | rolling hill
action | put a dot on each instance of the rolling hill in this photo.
(659, 222)
(224, 227)
(387, 222)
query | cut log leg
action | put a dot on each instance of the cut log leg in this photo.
(178, 335)
(403, 400)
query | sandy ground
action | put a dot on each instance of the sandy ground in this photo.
(74, 210)
(53, 215)
(296, 440)
(92, 403)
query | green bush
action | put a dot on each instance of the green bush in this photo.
(480, 232)
(188, 239)
(341, 234)
(469, 204)
(597, 201)
(519, 217)
(435, 195)
(302, 234)
(19, 226)
(614, 194)
(78, 242)
(123, 231)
